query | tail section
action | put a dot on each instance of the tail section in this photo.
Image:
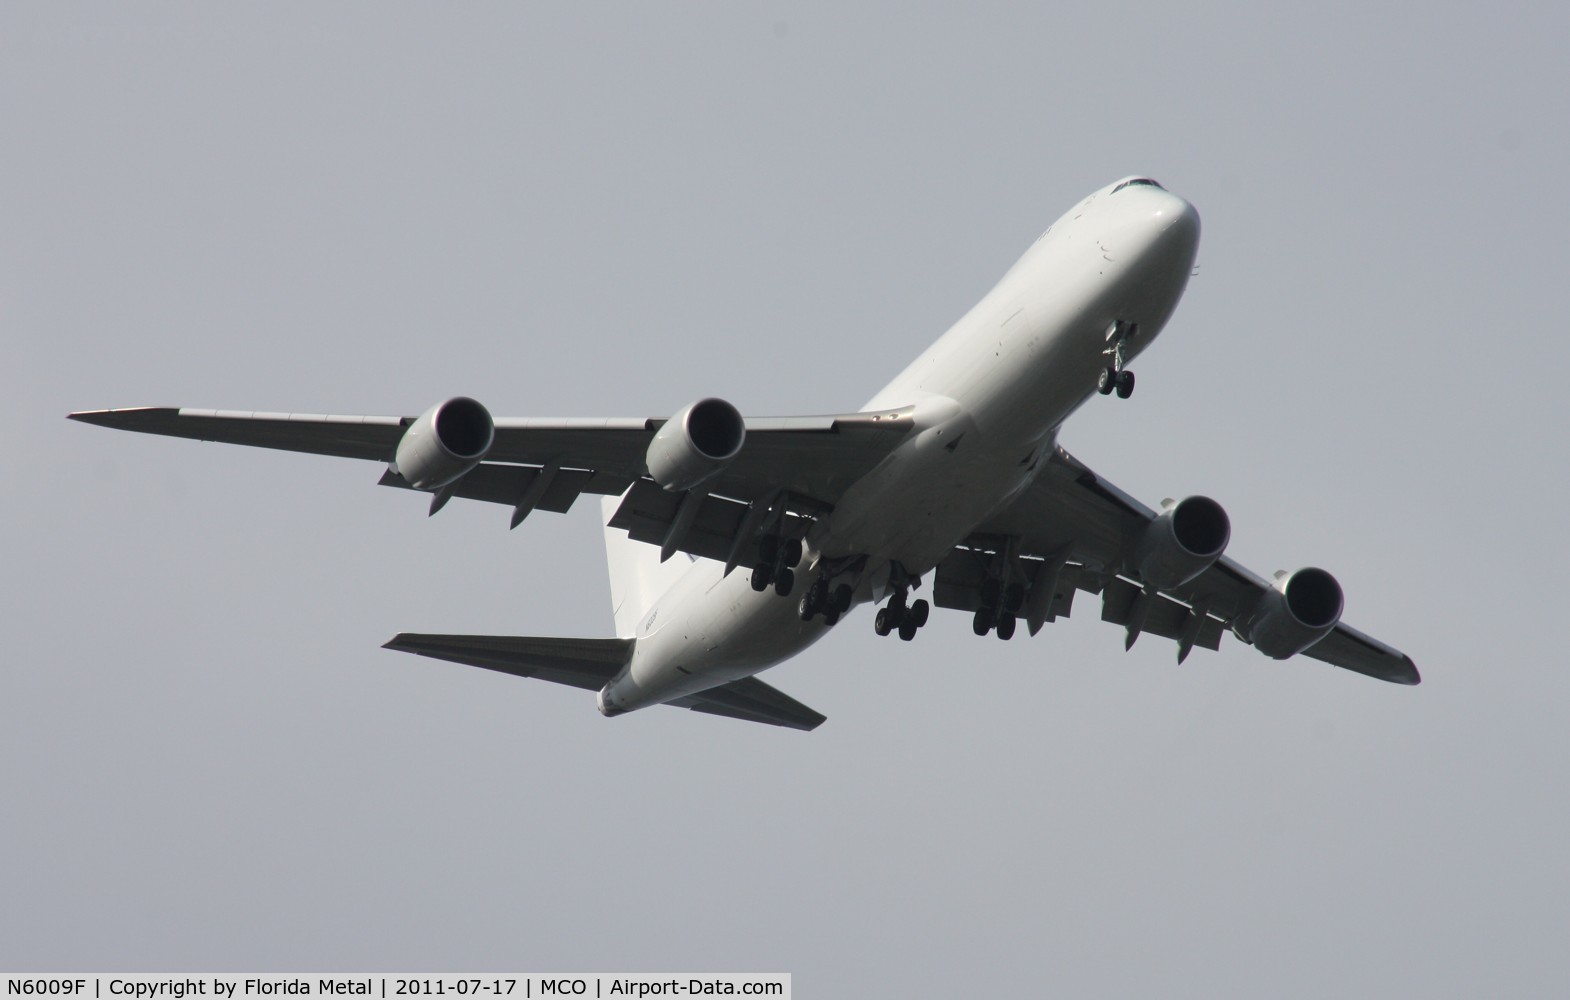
(638, 578)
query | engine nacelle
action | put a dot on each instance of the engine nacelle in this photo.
(447, 441)
(1181, 543)
(695, 444)
(1297, 612)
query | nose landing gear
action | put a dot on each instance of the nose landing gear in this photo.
(1114, 378)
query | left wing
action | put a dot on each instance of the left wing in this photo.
(803, 464)
(1071, 530)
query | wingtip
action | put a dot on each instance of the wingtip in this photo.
(119, 416)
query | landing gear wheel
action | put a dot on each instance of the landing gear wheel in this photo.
(983, 621)
(817, 595)
(1013, 597)
(842, 598)
(907, 630)
(918, 613)
(804, 609)
(831, 618)
(1107, 381)
(884, 623)
(1006, 626)
(761, 577)
(1125, 384)
(785, 582)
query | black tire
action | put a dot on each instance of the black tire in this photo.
(1125, 384)
(1013, 597)
(918, 613)
(804, 610)
(907, 630)
(792, 552)
(1106, 381)
(1006, 623)
(843, 595)
(883, 624)
(982, 623)
(760, 577)
(785, 582)
(817, 595)
(831, 618)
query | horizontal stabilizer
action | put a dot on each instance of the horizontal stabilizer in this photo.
(590, 664)
(581, 663)
(752, 700)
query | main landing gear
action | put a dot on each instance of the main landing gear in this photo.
(999, 609)
(1114, 377)
(821, 598)
(897, 616)
(777, 558)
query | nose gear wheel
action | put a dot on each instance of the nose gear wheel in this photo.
(1114, 377)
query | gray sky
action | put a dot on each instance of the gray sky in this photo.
(207, 762)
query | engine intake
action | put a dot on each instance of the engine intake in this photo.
(1297, 612)
(695, 444)
(1182, 542)
(446, 441)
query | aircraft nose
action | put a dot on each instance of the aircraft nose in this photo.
(1169, 232)
(1179, 224)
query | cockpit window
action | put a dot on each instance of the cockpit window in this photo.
(1133, 181)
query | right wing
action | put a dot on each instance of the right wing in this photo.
(804, 463)
(1072, 530)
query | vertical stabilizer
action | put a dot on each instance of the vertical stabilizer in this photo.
(638, 578)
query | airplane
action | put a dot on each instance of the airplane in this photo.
(952, 474)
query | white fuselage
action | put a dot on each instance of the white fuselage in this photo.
(989, 398)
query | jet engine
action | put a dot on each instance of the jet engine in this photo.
(447, 441)
(1297, 612)
(1181, 543)
(695, 444)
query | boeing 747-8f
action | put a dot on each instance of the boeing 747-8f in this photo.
(950, 477)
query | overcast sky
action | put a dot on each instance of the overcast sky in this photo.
(207, 763)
